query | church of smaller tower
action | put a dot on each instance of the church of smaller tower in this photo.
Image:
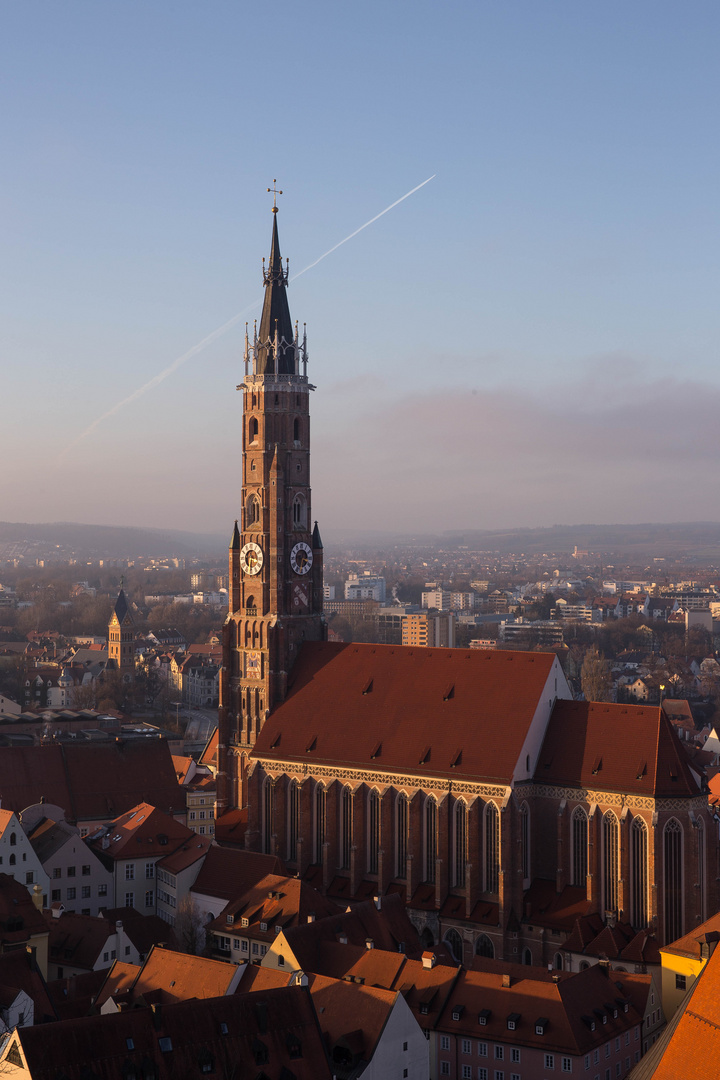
(121, 639)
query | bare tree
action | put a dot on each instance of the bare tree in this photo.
(595, 677)
(189, 927)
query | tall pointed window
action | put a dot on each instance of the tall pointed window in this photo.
(639, 873)
(673, 884)
(460, 845)
(293, 820)
(492, 848)
(373, 831)
(252, 512)
(268, 814)
(525, 840)
(579, 847)
(299, 512)
(253, 429)
(701, 867)
(430, 838)
(401, 835)
(320, 811)
(346, 810)
(610, 861)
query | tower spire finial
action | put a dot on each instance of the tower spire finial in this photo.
(276, 192)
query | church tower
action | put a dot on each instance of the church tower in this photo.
(276, 576)
(121, 639)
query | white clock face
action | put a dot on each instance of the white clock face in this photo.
(251, 559)
(301, 558)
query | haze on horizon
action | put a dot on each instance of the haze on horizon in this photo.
(532, 338)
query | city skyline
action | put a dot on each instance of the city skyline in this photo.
(529, 339)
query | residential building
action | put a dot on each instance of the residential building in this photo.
(131, 845)
(82, 943)
(429, 631)
(684, 959)
(76, 876)
(175, 875)
(365, 587)
(17, 857)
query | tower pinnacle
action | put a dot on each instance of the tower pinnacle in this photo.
(275, 354)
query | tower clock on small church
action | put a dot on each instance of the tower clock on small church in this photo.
(276, 574)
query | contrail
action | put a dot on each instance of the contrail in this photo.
(162, 375)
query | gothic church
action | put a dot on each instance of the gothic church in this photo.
(513, 821)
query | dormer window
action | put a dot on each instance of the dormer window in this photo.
(483, 1017)
(263, 926)
(458, 1011)
(541, 1025)
(512, 1021)
(244, 922)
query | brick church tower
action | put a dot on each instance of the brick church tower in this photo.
(121, 639)
(276, 575)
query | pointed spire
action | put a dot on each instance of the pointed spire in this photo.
(122, 608)
(235, 542)
(275, 322)
(316, 541)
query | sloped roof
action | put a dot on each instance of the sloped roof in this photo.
(90, 781)
(18, 968)
(228, 874)
(142, 832)
(195, 848)
(627, 748)
(227, 1029)
(689, 944)
(388, 928)
(408, 709)
(209, 754)
(562, 998)
(181, 976)
(276, 901)
(346, 1009)
(690, 1046)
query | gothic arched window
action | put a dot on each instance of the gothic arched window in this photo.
(610, 861)
(296, 430)
(299, 512)
(701, 866)
(345, 827)
(401, 835)
(484, 947)
(320, 809)
(492, 848)
(460, 845)
(253, 429)
(293, 820)
(373, 831)
(579, 827)
(430, 838)
(673, 885)
(268, 814)
(525, 840)
(454, 944)
(252, 512)
(639, 873)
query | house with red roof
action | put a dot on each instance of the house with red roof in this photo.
(132, 845)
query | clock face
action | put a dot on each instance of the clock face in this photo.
(251, 559)
(301, 558)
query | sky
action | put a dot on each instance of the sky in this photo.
(530, 338)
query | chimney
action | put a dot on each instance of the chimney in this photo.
(429, 960)
(311, 916)
(156, 1016)
(377, 900)
(301, 978)
(37, 897)
(604, 966)
(369, 943)
(507, 981)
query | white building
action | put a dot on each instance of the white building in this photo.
(365, 587)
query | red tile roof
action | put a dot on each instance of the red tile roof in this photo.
(90, 781)
(627, 748)
(275, 901)
(142, 831)
(691, 1048)
(238, 1033)
(227, 874)
(410, 709)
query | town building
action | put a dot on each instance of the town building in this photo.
(429, 631)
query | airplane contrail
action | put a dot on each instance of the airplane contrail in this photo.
(162, 375)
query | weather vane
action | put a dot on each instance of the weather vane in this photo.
(276, 192)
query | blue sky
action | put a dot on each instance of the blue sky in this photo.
(530, 338)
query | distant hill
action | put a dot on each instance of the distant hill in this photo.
(693, 539)
(110, 541)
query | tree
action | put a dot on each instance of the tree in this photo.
(189, 927)
(595, 676)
